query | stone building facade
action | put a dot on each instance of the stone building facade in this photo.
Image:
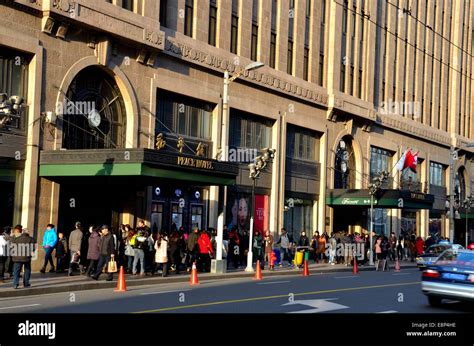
(346, 88)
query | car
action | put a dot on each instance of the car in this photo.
(451, 276)
(432, 253)
(470, 246)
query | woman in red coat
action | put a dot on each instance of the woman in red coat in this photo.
(420, 246)
(205, 251)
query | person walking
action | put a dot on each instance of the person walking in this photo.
(93, 250)
(4, 250)
(321, 248)
(284, 243)
(258, 248)
(332, 249)
(129, 251)
(205, 252)
(378, 248)
(107, 252)
(139, 244)
(50, 239)
(393, 246)
(61, 253)
(420, 246)
(23, 247)
(233, 252)
(268, 243)
(192, 248)
(161, 254)
(175, 251)
(75, 243)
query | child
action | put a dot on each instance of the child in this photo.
(61, 252)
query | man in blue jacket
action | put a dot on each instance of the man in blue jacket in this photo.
(50, 239)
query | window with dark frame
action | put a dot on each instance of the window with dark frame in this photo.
(212, 22)
(164, 13)
(188, 18)
(128, 4)
(249, 131)
(254, 43)
(234, 32)
(273, 34)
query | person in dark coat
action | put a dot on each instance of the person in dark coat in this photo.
(192, 248)
(23, 247)
(233, 254)
(107, 252)
(174, 251)
(258, 250)
(61, 252)
(93, 251)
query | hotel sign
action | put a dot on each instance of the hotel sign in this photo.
(195, 163)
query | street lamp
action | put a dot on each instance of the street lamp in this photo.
(224, 116)
(467, 203)
(9, 108)
(260, 164)
(374, 187)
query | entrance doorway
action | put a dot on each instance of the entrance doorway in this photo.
(7, 197)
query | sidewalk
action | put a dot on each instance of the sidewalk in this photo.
(56, 283)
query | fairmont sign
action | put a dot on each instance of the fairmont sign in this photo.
(195, 163)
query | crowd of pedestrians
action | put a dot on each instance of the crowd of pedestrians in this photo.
(143, 252)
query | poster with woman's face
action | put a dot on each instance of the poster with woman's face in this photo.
(238, 212)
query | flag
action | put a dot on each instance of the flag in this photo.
(400, 166)
(414, 162)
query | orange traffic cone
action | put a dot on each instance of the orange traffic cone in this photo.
(306, 269)
(194, 276)
(397, 265)
(121, 285)
(355, 269)
(258, 274)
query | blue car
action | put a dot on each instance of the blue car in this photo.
(451, 276)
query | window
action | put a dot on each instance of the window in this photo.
(188, 18)
(436, 174)
(306, 64)
(234, 26)
(212, 22)
(14, 78)
(253, 53)
(163, 12)
(272, 49)
(289, 65)
(273, 35)
(254, 43)
(345, 18)
(183, 115)
(157, 217)
(249, 131)
(176, 215)
(301, 144)
(380, 160)
(322, 39)
(128, 4)
(196, 216)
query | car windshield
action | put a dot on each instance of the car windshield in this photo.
(456, 256)
(436, 249)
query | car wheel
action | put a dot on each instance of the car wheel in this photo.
(434, 301)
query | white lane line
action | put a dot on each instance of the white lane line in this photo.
(19, 306)
(346, 277)
(387, 312)
(273, 282)
(149, 293)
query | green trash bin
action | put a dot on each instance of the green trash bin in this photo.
(306, 255)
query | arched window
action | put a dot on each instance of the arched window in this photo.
(344, 165)
(94, 115)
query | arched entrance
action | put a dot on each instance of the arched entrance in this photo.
(94, 114)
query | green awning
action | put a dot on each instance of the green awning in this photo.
(140, 163)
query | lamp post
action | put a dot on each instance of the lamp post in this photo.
(224, 116)
(9, 108)
(467, 208)
(260, 164)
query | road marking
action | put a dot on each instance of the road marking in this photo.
(149, 293)
(274, 297)
(346, 277)
(273, 282)
(318, 305)
(387, 312)
(402, 273)
(19, 306)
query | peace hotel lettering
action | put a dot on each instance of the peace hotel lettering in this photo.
(195, 163)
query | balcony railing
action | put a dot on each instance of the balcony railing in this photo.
(408, 184)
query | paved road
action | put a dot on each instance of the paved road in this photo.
(368, 292)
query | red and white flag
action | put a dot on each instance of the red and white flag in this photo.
(413, 162)
(400, 166)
